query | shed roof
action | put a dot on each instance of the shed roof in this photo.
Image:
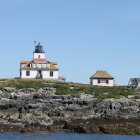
(101, 74)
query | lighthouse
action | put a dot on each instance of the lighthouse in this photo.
(39, 67)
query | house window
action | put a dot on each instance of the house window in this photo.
(98, 81)
(27, 73)
(51, 73)
(107, 81)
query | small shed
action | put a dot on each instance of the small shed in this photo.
(102, 78)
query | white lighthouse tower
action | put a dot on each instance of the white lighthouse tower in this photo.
(39, 53)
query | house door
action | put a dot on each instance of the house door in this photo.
(39, 75)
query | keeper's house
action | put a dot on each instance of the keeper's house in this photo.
(102, 78)
(39, 67)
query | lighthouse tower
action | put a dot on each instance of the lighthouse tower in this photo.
(39, 53)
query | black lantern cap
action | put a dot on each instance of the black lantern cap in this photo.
(39, 49)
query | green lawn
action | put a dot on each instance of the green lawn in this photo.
(71, 88)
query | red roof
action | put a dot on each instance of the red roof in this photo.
(40, 60)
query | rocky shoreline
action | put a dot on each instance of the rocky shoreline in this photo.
(30, 110)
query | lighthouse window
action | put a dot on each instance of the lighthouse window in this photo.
(38, 56)
(27, 73)
(51, 73)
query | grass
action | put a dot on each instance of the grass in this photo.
(71, 88)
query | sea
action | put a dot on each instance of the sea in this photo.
(65, 136)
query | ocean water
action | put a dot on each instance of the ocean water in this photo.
(65, 136)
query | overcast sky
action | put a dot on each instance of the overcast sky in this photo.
(83, 36)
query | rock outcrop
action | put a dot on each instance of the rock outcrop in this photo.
(33, 110)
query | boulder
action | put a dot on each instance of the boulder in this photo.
(26, 90)
(131, 97)
(10, 89)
